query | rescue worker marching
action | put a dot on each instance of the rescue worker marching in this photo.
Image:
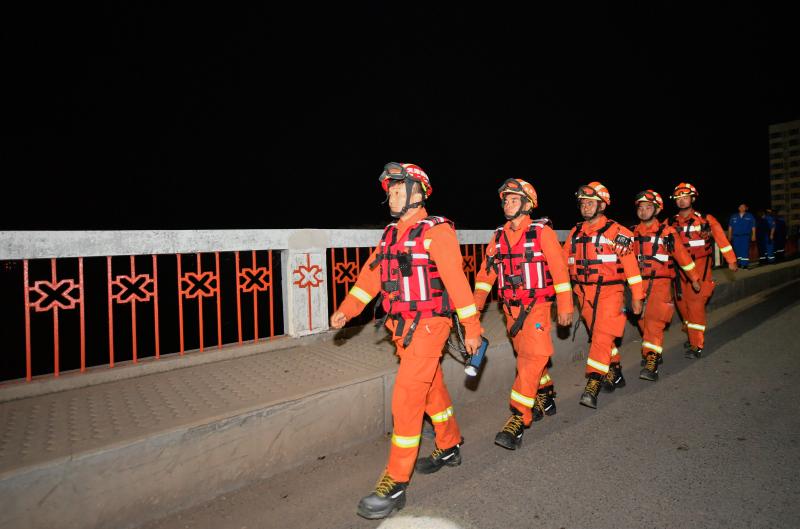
(418, 271)
(697, 234)
(654, 245)
(600, 260)
(524, 256)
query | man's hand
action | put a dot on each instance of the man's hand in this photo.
(636, 306)
(472, 344)
(696, 286)
(338, 319)
(733, 266)
(565, 320)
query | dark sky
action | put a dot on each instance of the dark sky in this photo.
(301, 107)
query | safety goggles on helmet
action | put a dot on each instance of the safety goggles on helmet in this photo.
(649, 196)
(511, 185)
(587, 192)
(393, 171)
(399, 172)
(684, 190)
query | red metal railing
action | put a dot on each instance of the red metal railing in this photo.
(200, 283)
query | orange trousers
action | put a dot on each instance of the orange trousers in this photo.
(608, 325)
(657, 314)
(692, 305)
(419, 389)
(534, 347)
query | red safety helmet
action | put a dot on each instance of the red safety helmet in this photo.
(650, 196)
(684, 188)
(519, 187)
(594, 191)
(403, 171)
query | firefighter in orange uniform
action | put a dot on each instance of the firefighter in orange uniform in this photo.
(600, 260)
(417, 270)
(526, 260)
(697, 233)
(654, 245)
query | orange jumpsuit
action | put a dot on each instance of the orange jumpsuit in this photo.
(656, 265)
(419, 387)
(533, 343)
(696, 236)
(609, 320)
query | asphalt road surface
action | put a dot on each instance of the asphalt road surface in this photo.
(714, 443)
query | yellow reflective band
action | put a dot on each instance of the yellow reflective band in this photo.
(426, 243)
(726, 249)
(544, 380)
(652, 347)
(597, 365)
(405, 442)
(562, 287)
(467, 311)
(361, 295)
(522, 399)
(614, 351)
(635, 279)
(696, 327)
(688, 267)
(443, 416)
(486, 287)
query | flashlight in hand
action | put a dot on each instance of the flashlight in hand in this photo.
(474, 361)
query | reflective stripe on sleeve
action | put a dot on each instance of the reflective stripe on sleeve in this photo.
(361, 295)
(486, 287)
(466, 312)
(563, 287)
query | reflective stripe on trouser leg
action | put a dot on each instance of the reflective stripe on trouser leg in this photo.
(546, 381)
(695, 316)
(533, 345)
(419, 382)
(526, 384)
(659, 313)
(440, 409)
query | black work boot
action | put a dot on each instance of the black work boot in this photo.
(545, 403)
(511, 435)
(388, 496)
(693, 352)
(644, 359)
(619, 380)
(589, 397)
(440, 457)
(650, 369)
(613, 378)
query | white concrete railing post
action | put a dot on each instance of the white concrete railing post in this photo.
(305, 289)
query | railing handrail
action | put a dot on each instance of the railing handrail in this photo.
(94, 243)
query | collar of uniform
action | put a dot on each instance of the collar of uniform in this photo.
(523, 225)
(591, 230)
(687, 218)
(646, 230)
(403, 225)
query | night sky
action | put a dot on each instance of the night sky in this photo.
(301, 108)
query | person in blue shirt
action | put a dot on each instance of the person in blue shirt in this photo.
(780, 236)
(766, 237)
(742, 231)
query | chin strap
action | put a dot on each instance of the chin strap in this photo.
(409, 187)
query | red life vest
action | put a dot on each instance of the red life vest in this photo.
(695, 235)
(410, 283)
(654, 254)
(592, 258)
(523, 274)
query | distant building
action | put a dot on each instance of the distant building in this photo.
(784, 171)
